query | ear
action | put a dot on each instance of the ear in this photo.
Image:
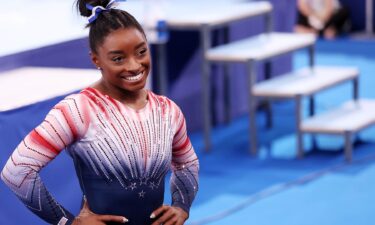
(94, 59)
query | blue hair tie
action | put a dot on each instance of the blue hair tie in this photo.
(95, 11)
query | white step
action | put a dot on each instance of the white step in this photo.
(306, 81)
(352, 116)
(25, 86)
(260, 47)
(197, 13)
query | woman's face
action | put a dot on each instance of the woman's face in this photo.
(124, 59)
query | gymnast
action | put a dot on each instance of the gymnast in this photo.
(122, 138)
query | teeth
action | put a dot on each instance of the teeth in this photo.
(134, 78)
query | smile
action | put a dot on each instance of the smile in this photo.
(134, 78)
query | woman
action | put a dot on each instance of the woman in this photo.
(123, 139)
(321, 17)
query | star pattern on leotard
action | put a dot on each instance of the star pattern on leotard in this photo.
(152, 185)
(142, 194)
(133, 186)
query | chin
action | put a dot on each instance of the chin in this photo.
(136, 86)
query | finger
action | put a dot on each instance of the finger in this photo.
(159, 211)
(172, 221)
(166, 216)
(111, 218)
(180, 221)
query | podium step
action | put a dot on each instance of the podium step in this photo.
(29, 85)
(304, 82)
(345, 120)
(260, 47)
(352, 116)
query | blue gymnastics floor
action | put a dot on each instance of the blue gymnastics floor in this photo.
(275, 188)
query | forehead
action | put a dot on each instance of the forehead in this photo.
(123, 38)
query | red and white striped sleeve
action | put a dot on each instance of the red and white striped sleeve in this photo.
(185, 165)
(64, 124)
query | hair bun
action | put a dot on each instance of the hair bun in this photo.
(84, 11)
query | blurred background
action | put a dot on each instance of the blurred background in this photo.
(279, 110)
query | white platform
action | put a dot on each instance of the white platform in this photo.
(260, 47)
(180, 14)
(352, 116)
(304, 82)
(26, 26)
(29, 85)
(192, 14)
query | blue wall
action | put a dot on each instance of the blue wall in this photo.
(357, 13)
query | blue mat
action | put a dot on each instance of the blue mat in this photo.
(239, 189)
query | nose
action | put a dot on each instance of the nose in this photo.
(133, 66)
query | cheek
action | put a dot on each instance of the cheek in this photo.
(111, 72)
(113, 69)
(147, 60)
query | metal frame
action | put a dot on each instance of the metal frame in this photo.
(205, 40)
(253, 103)
(253, 135)
(347, 135)
(161, 52)
(205, 35)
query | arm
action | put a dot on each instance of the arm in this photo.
(304, 8)
(185, 167)
(323, 16)
(184, 179)
(326, 14)
(63, 125)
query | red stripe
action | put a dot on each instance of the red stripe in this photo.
(65, 111)
(43, 142)
(181, 126)
(93, 96)
(181, 154)
(179, 148)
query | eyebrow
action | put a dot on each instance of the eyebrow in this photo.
(121, 52)
(115, 52)
(140, 44)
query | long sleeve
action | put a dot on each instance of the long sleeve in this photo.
(63, 125)
(185, 166)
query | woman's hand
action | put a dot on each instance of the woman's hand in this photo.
(169, 215)
(86, 217)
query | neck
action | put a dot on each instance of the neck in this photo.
(134, 99)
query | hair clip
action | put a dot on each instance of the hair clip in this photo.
(95, 11)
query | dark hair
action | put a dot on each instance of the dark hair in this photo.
(106, 22)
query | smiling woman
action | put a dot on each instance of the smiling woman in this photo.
(123, 138)
(124, 60)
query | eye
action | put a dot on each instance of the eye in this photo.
(118, 59)
(142, 51)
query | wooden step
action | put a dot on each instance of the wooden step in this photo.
(260, 47)
(352, 116)
(304, 82)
